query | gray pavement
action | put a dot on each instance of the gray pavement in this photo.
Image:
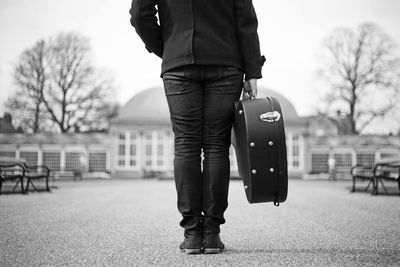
(135, 223)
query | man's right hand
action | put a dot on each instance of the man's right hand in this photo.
(250, 88)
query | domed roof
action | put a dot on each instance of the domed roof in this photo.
(148, 105)
(151, 105)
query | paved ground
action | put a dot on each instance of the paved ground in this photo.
(134, 223)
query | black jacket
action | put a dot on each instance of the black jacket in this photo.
(209, 32)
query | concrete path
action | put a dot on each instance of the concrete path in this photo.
(135, 223)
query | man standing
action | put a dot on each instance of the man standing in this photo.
(207, 48)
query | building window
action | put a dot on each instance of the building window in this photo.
(30, 157)
(72, 161)
(133, 147)
(389, 155)
(148, 148)
(52, 160)
(343, 162)
(97, 161)
(121, 149)
(10, 154)
(319, 162)
(160, 149)
(160, 155)
(295, 151)
(366, 159)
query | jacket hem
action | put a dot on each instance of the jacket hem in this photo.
(202, 60)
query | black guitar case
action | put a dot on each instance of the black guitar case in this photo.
(260, 145)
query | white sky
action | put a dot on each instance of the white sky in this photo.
(291, 33)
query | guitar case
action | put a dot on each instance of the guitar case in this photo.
(260, 146)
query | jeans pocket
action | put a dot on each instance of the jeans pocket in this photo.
(175, 87)
(175, 82)
(230, 80)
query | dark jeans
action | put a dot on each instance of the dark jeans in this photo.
(201, 101)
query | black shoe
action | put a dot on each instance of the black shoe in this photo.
(191, 245)
(212, 244)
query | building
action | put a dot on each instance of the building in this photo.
(63, 154)
(6, 125)
(143, 140)
(347, 151)
(140, 144)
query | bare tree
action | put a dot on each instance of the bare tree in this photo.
(72, 91)
(27, 103)
(76, 92)
(363, 72)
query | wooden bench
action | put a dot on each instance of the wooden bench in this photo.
(388, 169)
(364, 173)
(36, 172)
(388, 172)
(12, 172)
(12, 169)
